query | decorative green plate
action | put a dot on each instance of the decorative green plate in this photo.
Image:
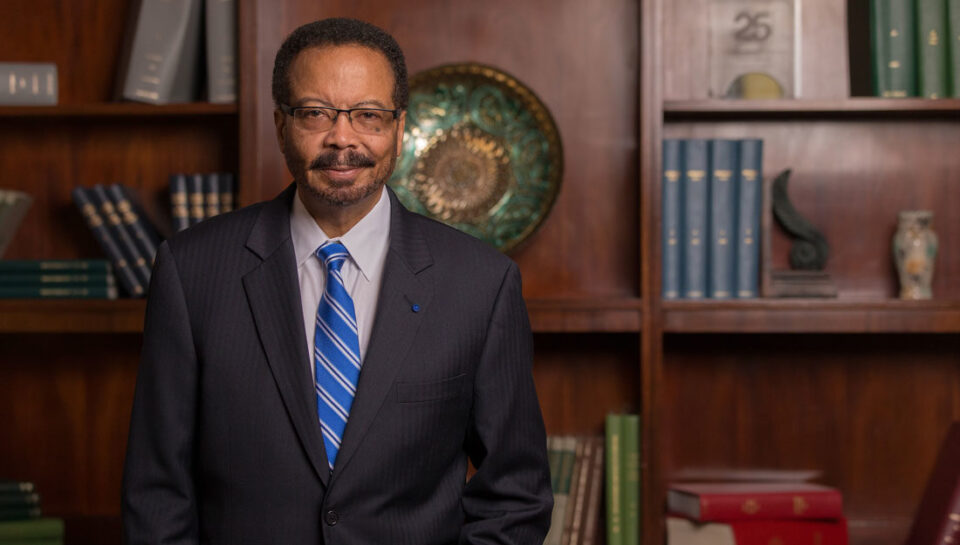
(481, 153)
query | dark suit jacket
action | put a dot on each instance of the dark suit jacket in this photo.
(225, 446)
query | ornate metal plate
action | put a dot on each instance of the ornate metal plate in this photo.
(481, 153)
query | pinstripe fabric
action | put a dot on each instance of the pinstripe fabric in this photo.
(336, 352)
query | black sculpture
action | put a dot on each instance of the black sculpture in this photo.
(809, 251)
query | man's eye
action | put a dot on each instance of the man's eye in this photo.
(314, 113)
(369, 115)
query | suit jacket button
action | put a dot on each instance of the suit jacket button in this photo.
(331, 518)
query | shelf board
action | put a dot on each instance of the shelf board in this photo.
(118, 110)
(712, 109)
(71, 315)
(584, 315)
(811, 316)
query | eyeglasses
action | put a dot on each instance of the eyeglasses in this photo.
(322, 119)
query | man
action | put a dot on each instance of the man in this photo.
(320, 367)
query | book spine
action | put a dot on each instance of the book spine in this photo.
(574, 509)
(790, 532)
(750, 204)
(195, 198)
(932, 74)
(826, 504)
(211, 195)
(123, 237)
(226, 192)
(90, 266)
(721, 251)
(28, 84)
(567, 448)
(19, 514)
(614, 449)
(125, 275)
(134, 223)
(25, 487)
(953, 47)
(630, 467)
(17, 500)
(37, 528)
(55, 280)
(894, 48)
(221, 34)
(696, 219)
(593, 507)
(53, 292)
(672, 228)
(179, 207)
(163, 64)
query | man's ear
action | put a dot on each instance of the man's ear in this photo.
(280, 121)
(401, 122)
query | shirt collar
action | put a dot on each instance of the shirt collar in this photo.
(365, 241)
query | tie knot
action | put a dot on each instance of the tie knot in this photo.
(332, 254)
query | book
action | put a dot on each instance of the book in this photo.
(721, 251)
(163, 65)
(749, 209)
(226, 192)
(13, 209)
(614, 479)
(14, 500)
(752, 501)
(211, 195)
(893, 49)
(932, 35)
(28, 84)
(681, 531)
(579, 490)
(38, 528)
(696, 200)
(121, 234)
(671, 219)
(593, 508)
(144, 234)
(125, 275)
(178, 202)
(953, 46)
(195, 198)
(566, 448)
(58, 292)
(56, 280)
(16, 486)
(630, 468)
(20, 513)
(221, 42)
(19, 266)
(937, 520)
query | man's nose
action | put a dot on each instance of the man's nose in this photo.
(341, 134)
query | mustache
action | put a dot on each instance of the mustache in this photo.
(349, 159)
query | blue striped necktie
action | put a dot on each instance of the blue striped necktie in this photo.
(336, 350)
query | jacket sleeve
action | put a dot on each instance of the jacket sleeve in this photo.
(158, 497)
(508, 500)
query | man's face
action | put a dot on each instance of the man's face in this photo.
(340, 166)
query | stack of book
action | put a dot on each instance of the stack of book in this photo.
(915, 48)
(200, 196)
(576, 470)
(123, 232)
(20, 517)
(712, 200)
(755, 513)
(623, 479)
(13, 208)
(57, 278)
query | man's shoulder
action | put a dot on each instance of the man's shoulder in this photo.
(220, 231)
(449, 245)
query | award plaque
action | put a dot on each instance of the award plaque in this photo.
(754, 49)
(480, 153)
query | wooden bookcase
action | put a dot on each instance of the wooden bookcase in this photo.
(861, 388)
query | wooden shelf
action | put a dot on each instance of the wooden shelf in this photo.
(584, 315)
(118, 110)
(71, 316)
(811, 316)
(856, 107)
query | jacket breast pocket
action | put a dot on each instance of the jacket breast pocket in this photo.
(435, 390)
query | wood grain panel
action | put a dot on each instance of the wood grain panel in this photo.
(580, 58)
(850, 179)
(867, 411)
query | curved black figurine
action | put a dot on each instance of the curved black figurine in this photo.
(810, 250)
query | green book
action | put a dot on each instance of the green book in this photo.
(41, 528)
(613, 451)
(630, 469)
(893, 48)
(8, 487)
(19, 500)
(46, 292)
(953, 48)
(57, 280)
(932, 76)
(19, 513)
(89, 266)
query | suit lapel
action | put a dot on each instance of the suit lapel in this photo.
(274, 296)
(394, 327)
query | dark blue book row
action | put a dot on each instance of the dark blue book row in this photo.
(199, 196)
(712, 200)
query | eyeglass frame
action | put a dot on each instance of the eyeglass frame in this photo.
(291, 111)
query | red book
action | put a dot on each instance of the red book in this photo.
(681, 531)
(937, 521)
(754, 501)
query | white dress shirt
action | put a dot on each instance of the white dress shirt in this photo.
(367, 242)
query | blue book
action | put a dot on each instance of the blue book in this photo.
(671, 217)
(750, 197)
(195, 197)
(696, 215)
(211, 194)
(143, 233)
(722, 252)
(121, 233)
(125, 275)
(226, 192)
(178, 202)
